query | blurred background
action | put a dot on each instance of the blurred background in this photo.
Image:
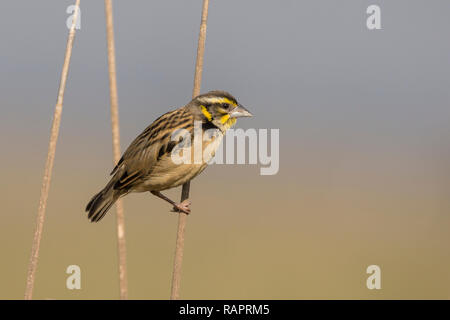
(364, 148)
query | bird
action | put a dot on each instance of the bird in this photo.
(148, 164)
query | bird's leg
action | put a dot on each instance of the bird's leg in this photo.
(183, 206)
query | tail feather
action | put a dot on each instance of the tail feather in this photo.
(100, 203)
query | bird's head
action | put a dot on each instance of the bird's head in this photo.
(219, 108)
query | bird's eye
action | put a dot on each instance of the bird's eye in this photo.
(226, 106)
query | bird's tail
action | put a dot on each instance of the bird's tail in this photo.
(101, 202)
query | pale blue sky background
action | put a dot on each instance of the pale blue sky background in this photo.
(309, 67)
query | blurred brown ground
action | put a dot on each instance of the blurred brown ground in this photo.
(307, 233)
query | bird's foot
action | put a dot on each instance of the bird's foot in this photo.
(182, 207)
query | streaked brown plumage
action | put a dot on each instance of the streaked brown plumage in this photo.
(147, 165)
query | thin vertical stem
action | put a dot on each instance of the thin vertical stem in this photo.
(176, 276)
(50, 160)
(116, 146)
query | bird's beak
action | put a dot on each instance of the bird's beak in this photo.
(240, 111)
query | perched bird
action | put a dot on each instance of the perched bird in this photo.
(148, 164)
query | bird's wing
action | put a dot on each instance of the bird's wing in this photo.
(151, 145)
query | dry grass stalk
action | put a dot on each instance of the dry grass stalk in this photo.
(50, 160)
(116, 147)
(176, 276)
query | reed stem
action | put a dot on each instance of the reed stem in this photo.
(31, 275)
(121, 245)
(179, 249)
